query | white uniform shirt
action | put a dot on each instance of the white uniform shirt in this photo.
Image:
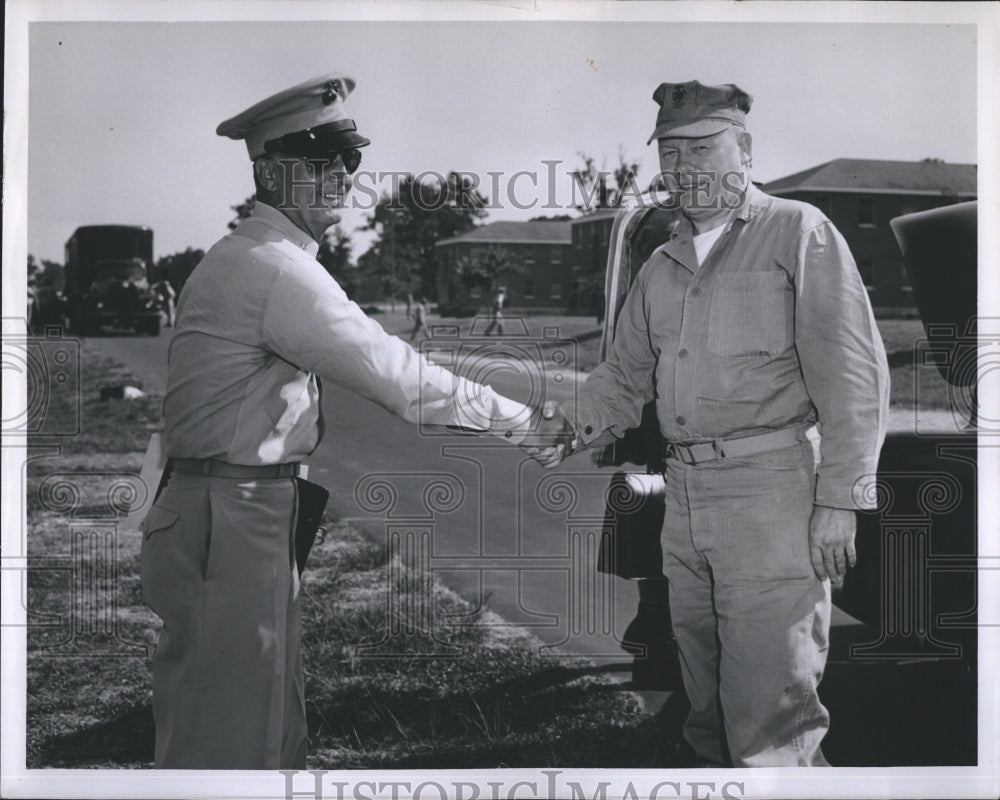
(257, 320)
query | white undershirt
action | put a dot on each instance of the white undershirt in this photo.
(703, 242)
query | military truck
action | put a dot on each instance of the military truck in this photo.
(108, 279)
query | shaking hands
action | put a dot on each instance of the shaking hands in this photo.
(552, 437)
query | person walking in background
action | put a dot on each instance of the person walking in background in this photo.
(409, 305)
(167, 297)
(496, 313)
(419, 318)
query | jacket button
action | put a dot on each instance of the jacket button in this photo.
(589, 429)
(696, 291)
(682, 353)
(681, 420)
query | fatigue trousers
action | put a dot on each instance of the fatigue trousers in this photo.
(218, 569)
(752, 620)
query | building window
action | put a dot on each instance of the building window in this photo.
(529, 254)
(476, 292)
(576, 236)
(555, 290)
(866, 211)
(529, 289)
(605, 230)
(865, 270)
(822, 202)
(555, 254)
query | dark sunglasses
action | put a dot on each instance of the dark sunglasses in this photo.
(351, 160)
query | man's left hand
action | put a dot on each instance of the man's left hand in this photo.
(831, 542)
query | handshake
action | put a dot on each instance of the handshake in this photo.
(552, 437)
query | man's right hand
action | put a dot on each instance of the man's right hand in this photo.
(552, 437)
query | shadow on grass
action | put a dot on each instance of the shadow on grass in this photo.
(523, 713)
(123, 742)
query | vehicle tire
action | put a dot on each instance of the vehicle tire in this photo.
(153, 326)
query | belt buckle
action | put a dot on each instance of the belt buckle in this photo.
(682, 452)
(685, 452)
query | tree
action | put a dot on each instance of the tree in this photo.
(179, 266)
(335, 256)
(409, 221)
(488, 269)
(243, 210)
(596, 190)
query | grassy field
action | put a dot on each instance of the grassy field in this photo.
(495, 701)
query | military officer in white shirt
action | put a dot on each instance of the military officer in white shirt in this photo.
(259, 321)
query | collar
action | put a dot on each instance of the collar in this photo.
(680, 245)
(270, 216)
(754, 201)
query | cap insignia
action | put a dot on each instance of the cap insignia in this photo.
(332, 92)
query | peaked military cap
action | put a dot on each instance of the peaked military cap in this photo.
(692, 110)
(306, 120)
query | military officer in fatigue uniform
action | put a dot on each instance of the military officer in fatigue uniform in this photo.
(751, 330)
(259, 322)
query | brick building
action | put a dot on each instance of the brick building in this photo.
(591, 235)
(860, 196)
(543, 248)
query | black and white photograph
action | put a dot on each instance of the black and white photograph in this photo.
(508, 400)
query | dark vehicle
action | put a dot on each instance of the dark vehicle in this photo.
(915, 584)
(107, 279)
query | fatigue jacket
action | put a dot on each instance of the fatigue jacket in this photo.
(773, 329)
(258, 320)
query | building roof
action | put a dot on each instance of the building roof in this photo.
(508, 232)
(880, 177)
(596, 214)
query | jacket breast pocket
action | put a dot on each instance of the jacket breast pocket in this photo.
(751, 314)
(158, 519)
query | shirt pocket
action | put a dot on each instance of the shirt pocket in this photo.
(751, 314)
(158, 519)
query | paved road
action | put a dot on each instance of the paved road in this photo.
(521, 540)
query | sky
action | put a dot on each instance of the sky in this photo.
(122, 115)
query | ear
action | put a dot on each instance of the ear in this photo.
(265, 171)
(745, 142)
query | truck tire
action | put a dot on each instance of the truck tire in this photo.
(153, 326)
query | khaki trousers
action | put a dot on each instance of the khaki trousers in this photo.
(217, 568)
(752, 620)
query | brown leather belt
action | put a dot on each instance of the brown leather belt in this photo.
(214, 468)
(698, 452)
